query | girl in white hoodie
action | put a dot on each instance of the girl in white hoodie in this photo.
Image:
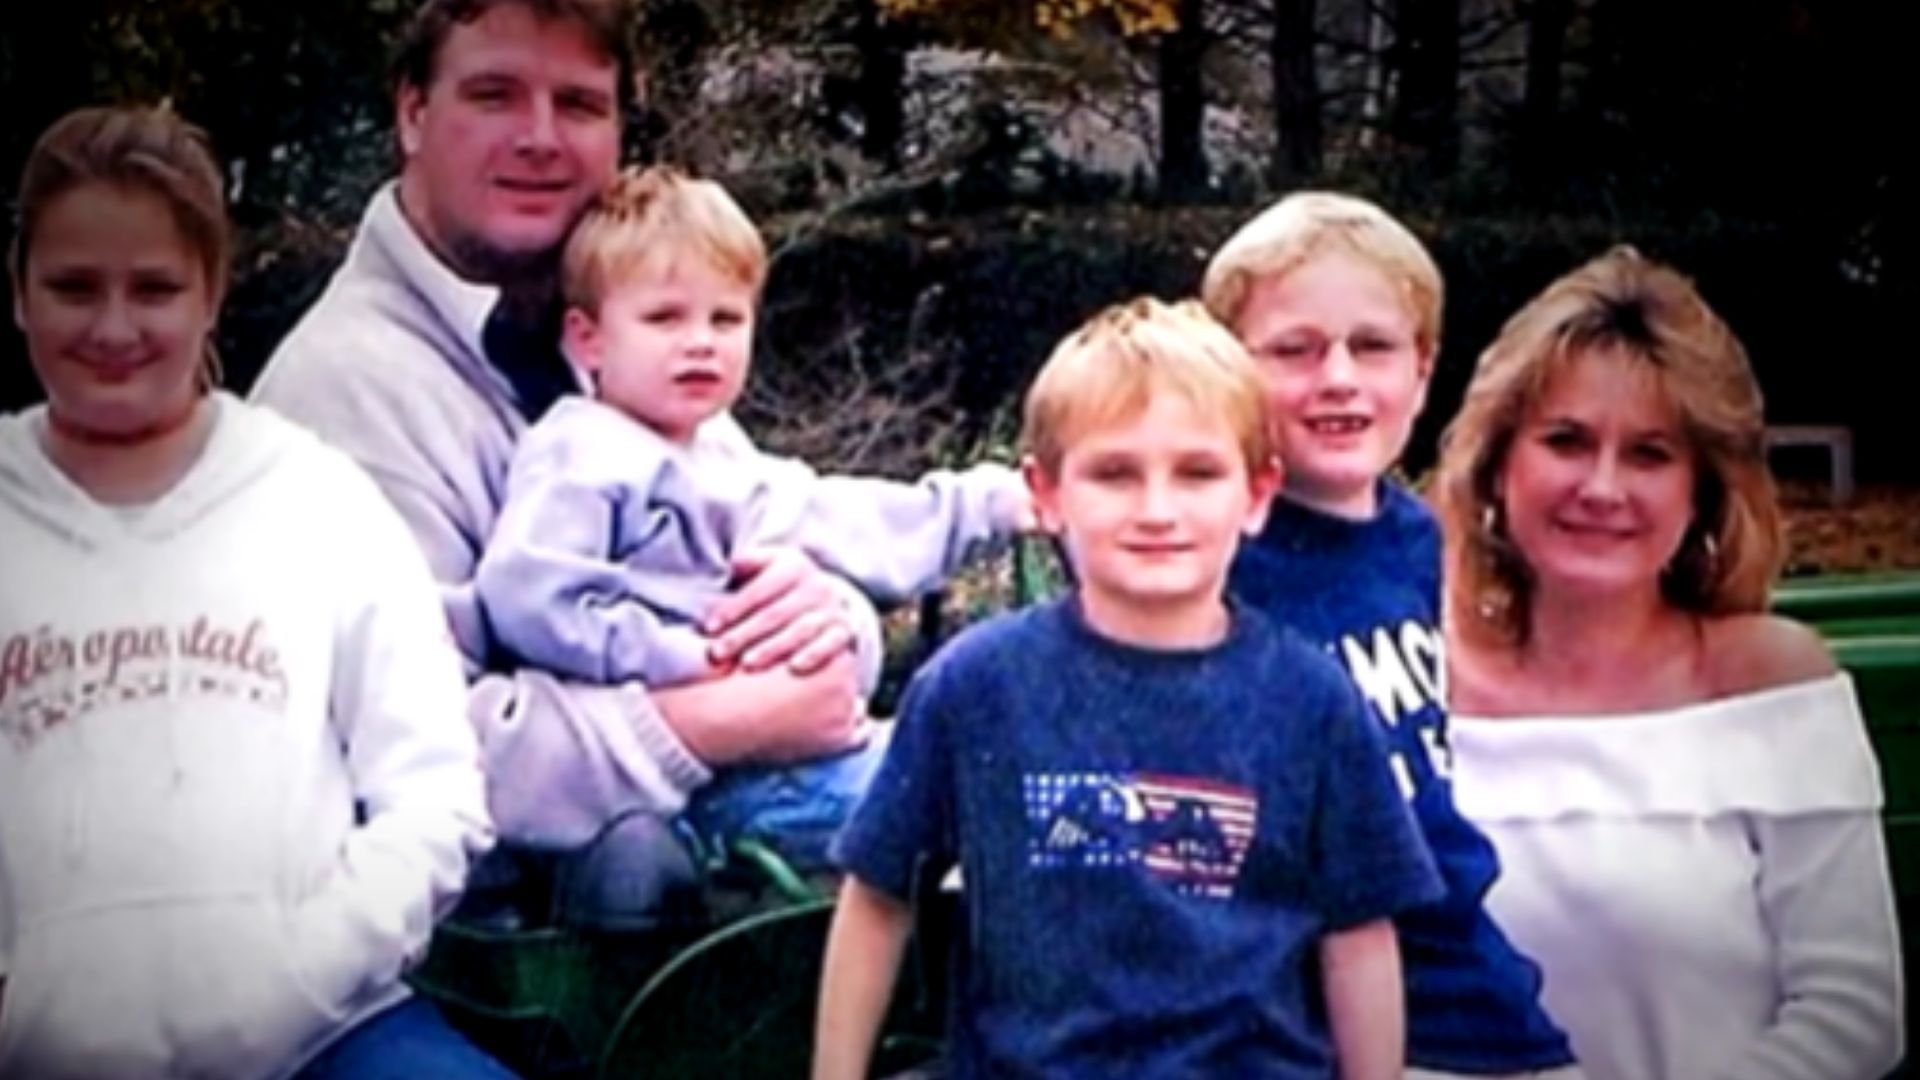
(236, 781)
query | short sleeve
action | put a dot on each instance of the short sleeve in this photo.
(906, 820)
(1369, 859)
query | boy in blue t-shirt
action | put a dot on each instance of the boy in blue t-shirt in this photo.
(1179, 839)
(1340, 306)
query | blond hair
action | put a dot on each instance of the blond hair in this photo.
(647, 219)
(1111, 368)
(1306, 224)
(1621, 308)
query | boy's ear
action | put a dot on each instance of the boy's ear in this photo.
(1424, 366)
(1045, 489)
(1264, 485)
(580, 338)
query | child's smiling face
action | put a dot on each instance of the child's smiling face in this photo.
(1346, 374)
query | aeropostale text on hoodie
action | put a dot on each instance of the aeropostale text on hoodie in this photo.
(237, 783)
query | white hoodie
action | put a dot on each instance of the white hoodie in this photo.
(236, 781)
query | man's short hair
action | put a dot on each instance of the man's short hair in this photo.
(607, 23)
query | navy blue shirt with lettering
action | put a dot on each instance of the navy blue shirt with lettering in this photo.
(1368, 593)
(1152, 844)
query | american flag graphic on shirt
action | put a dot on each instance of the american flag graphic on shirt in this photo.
(1191, 833)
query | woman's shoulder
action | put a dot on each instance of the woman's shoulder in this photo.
(1741, 657)
(1751, 653)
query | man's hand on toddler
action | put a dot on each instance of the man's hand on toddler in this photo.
(786, 610)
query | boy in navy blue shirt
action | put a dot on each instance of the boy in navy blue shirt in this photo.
(1340, 306)
(1179, 839)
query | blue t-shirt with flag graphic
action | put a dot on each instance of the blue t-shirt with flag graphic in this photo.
(1368, 593)
(1152, 844)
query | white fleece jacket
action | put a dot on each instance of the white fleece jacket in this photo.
(236, 783)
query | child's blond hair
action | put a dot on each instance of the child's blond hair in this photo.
(1308, 223)
(1110, 369)
(645, 221)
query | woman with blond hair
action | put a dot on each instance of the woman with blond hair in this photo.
(1679, 784)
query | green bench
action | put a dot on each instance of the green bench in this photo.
(1886, 675)
(565, 1003)
(1872, 623)
(1885, 664)
(1829, 598)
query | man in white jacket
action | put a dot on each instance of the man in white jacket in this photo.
(433, 348)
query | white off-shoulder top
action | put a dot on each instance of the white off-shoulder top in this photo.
(1705, 887)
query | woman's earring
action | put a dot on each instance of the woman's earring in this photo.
(1490, 520)
(1699, 556)
(1493, 604)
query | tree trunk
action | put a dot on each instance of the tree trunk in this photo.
(1296, 94)
(1378, 72)
(1426, 109)
(1183, 103)
(1610, 85)
(883, 45)
(1540, 108)
(676, 34)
